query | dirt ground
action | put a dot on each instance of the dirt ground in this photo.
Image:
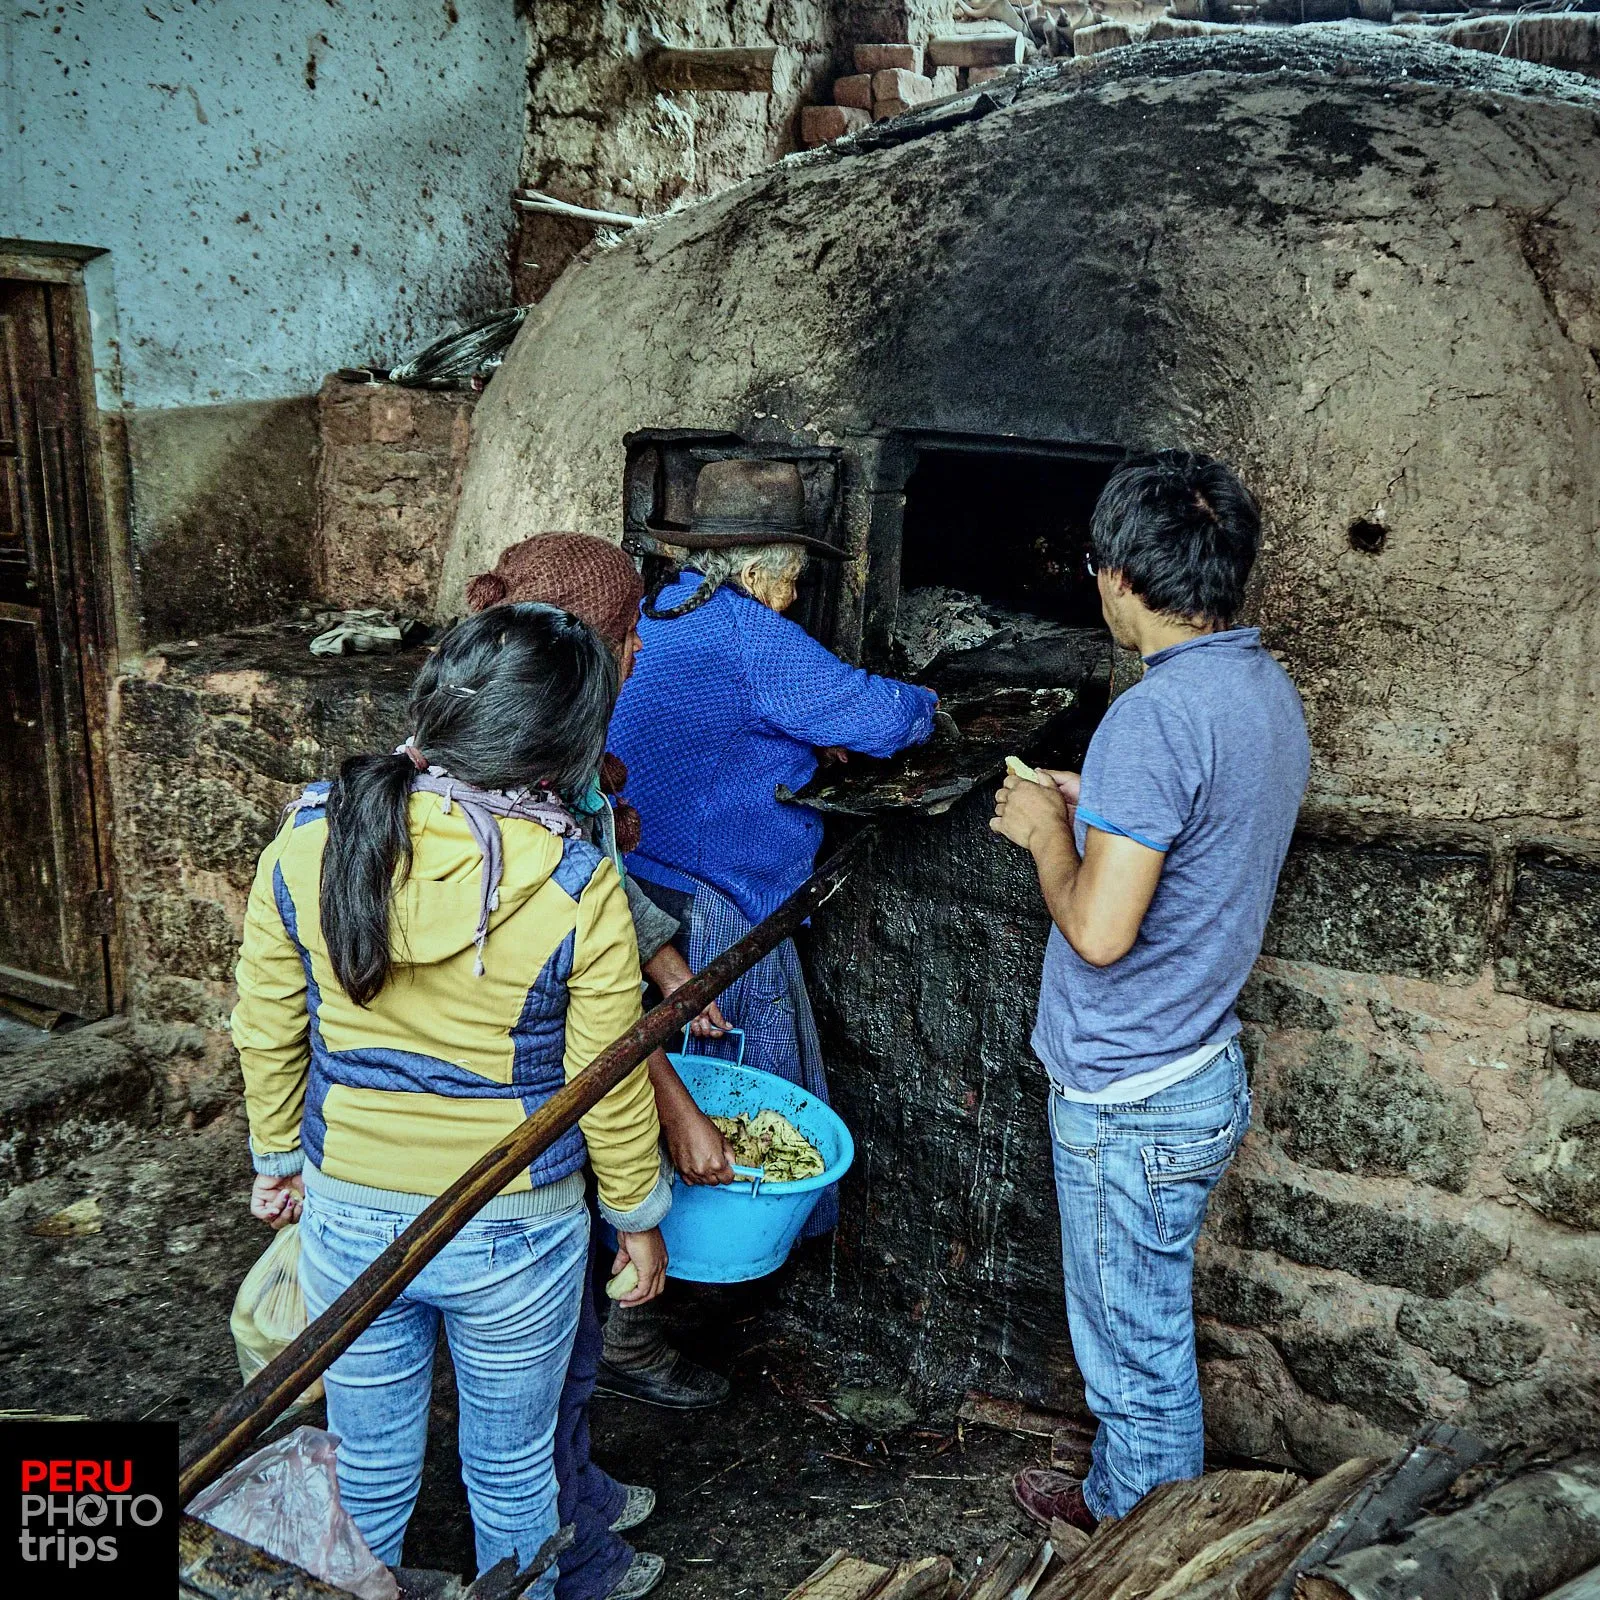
(753, 1495)
(131, 1321)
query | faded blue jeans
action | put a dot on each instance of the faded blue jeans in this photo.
(508, 1293)
(1132, 1182)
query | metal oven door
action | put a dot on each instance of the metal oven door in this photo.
(658, 490)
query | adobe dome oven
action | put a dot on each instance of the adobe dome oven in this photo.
(1368, 273)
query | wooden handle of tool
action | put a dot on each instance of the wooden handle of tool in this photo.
(236, 1426)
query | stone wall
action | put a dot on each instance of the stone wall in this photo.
(214, 739)
(601, 134)
(386, 491)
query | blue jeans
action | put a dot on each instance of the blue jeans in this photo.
(591, 1499)
(1132, 1182)
(508, 1293)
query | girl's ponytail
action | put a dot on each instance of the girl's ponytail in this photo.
(368, 842)
(516, 696)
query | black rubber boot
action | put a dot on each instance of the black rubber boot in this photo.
(680, 1385)
(639, 1364)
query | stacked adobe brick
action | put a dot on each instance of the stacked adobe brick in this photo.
(891, 79)
(386, 490)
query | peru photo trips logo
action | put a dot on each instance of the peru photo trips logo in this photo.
(88, 1500)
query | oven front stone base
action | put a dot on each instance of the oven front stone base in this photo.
(1410, 1230)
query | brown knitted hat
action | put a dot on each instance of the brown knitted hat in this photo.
(589, 577)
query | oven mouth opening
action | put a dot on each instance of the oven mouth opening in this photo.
(994, 583)
(988, 600)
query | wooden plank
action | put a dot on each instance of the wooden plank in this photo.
(991, 1411)
(216, 1566)
(975, 50)
(991, 1557)
(235, 1427)
(841, 1577)
(1411, 1481)
(1067, 1541)
(740, 70)
(1125, 1560)
(1245, 1564)
(1023, 1588)
(1516, 1543)
(1000, 1576)
(926, 1579)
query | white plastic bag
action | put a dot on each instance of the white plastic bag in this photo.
(285, 1500)
(269, 1311)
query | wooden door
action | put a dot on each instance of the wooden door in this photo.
(54, 908)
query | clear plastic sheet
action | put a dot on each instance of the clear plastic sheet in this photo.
(285, 1500)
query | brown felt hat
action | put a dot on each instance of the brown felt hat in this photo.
(589, 577)
(746, 502)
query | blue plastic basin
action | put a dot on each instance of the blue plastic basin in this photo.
(728, 1233)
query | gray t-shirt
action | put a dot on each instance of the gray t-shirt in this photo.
(1206, 759)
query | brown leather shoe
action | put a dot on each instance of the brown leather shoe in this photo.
(1046, 1494)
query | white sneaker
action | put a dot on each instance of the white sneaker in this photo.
(643, 1574)
(635, 1509)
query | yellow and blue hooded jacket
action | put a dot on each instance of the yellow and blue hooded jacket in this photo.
(388, 1104)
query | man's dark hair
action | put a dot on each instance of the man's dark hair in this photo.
(1182, 529)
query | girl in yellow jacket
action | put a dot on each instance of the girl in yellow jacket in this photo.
(431, 949)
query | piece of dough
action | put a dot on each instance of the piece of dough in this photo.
(625, 1282)
(1020, 769)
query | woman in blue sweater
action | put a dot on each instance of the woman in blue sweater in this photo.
(729, 700)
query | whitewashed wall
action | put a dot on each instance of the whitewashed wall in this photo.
(283, 187)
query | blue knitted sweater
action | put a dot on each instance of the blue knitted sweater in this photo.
(725, 704)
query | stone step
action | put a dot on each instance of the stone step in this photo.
(70, 1095)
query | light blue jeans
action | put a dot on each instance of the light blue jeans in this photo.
(508, 1293)
(1132, 1182)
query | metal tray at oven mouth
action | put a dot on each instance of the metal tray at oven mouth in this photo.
(965, 751)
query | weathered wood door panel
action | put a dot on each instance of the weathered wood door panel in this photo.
(52, 902)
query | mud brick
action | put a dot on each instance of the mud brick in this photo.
(882, 110)
(894, 83)
(977, 75)
(855, 90)
(824, 124)
(976, 50)
(876, 57)
(1102, 36)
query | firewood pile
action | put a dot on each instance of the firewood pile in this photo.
(1437, 1521)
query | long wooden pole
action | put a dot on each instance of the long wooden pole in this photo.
(236, 1426)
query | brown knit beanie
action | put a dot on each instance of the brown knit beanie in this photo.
(590, 577)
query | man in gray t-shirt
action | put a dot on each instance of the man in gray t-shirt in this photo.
(1158, 865)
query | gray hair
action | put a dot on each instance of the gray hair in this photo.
(772, 562)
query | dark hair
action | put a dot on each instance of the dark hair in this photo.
(1182, 529)
(516, 696)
